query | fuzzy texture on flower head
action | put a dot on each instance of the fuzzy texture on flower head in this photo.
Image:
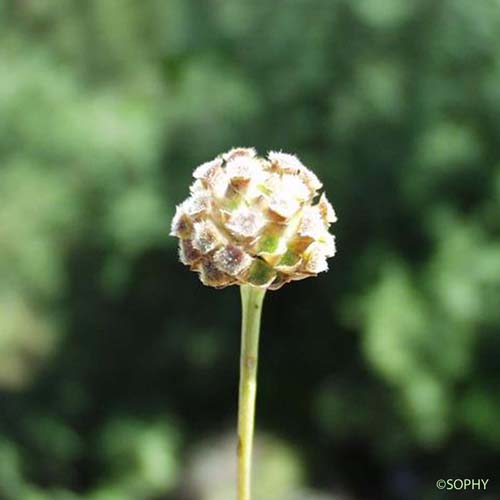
(252, 220)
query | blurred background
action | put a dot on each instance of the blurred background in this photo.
(119, 370)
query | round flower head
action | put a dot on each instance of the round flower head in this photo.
(256, 221)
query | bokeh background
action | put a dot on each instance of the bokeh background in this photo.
(119, 370)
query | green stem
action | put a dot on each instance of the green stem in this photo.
(251, 302)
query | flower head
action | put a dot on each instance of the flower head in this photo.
(252, 220)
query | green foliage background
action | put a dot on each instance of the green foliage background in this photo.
(118, 370)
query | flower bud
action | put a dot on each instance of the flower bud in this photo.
(252, 220)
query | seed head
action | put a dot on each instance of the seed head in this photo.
(252, 220)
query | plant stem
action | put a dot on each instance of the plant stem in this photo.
(251, 302)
